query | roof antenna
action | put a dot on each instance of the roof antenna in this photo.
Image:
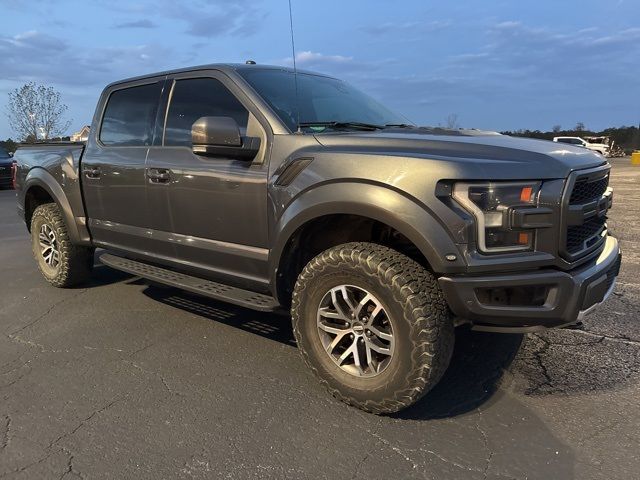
(295, 71)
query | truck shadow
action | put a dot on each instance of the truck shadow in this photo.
(477, 366)
(474, 375)
(267, 325)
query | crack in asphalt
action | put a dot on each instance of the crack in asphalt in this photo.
(620, 338)
(5, 436)
(413, 463)
(367, 454)
(29, 465)
(395, 449)
(13, 336)
(11, 370)
(155, 374)
(485, 439)
(48, 312)
(82, 423)
(546, 344)
(70, 470)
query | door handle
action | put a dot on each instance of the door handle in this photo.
(158, 175)
(92, 172)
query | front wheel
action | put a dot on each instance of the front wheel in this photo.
(373, 325)
(62, 263)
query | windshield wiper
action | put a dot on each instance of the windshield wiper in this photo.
(355, 125)
(400, 125)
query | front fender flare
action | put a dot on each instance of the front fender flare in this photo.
(373, 201)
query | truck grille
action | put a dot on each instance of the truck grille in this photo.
(585, 204)
(585, 191)
(580, 237)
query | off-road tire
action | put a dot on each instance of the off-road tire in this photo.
(75, 262)
(420, 317)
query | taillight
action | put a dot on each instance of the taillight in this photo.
(14, 173)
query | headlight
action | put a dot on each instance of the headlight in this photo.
(492, 204)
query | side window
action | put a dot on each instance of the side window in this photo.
(130, 116)
(199, 97)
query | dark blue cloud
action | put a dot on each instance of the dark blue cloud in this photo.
(137, 24)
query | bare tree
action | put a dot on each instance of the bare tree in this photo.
(580, 127)
(451, 121)
(557, 128)
(36, 112)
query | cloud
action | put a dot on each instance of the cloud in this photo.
(50, 60)
(137, 24)
(527, 56)
(307, 58)
(215, 18)
(33, 40)
(414, 26)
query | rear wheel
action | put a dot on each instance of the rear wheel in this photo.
(373, 325)
(62, 263)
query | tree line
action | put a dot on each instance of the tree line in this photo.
(628, 138)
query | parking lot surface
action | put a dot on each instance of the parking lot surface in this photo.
(122, 379)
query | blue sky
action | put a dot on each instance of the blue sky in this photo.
(495, 64)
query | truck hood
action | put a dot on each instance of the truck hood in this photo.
(485, 153)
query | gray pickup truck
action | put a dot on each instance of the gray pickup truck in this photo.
(277, 192)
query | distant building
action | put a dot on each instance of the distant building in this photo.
(82, 135)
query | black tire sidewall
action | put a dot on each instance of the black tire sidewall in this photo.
(42, 217)
(376, 388)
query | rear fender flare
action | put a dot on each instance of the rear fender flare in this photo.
(39, 177)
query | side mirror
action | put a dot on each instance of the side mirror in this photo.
(220, 137)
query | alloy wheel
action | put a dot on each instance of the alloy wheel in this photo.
(49, 246)
(355, 330)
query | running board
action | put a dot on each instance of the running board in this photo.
(207, 288)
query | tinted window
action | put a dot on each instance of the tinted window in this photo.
(319, 99)
(200, 97)
(130, 116)
(3, 153)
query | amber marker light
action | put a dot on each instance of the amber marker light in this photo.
(525, 195)
(523, 238)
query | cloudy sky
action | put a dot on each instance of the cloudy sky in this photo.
(497, 65)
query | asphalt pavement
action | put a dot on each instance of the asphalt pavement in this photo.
(122, 379)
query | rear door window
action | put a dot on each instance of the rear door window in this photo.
(129, 117)
(193, 98)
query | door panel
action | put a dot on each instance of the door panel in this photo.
(216, 209)
(113, 166)
(211, 210)
(113, 183)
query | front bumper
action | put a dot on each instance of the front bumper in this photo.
(566, 297)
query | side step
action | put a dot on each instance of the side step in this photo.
(207, 288)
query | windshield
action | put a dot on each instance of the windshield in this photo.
(3, 153)
(321, 100)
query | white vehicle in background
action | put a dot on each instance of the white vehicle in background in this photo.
(601, 148)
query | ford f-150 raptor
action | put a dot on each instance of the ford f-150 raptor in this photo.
(378, 236)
